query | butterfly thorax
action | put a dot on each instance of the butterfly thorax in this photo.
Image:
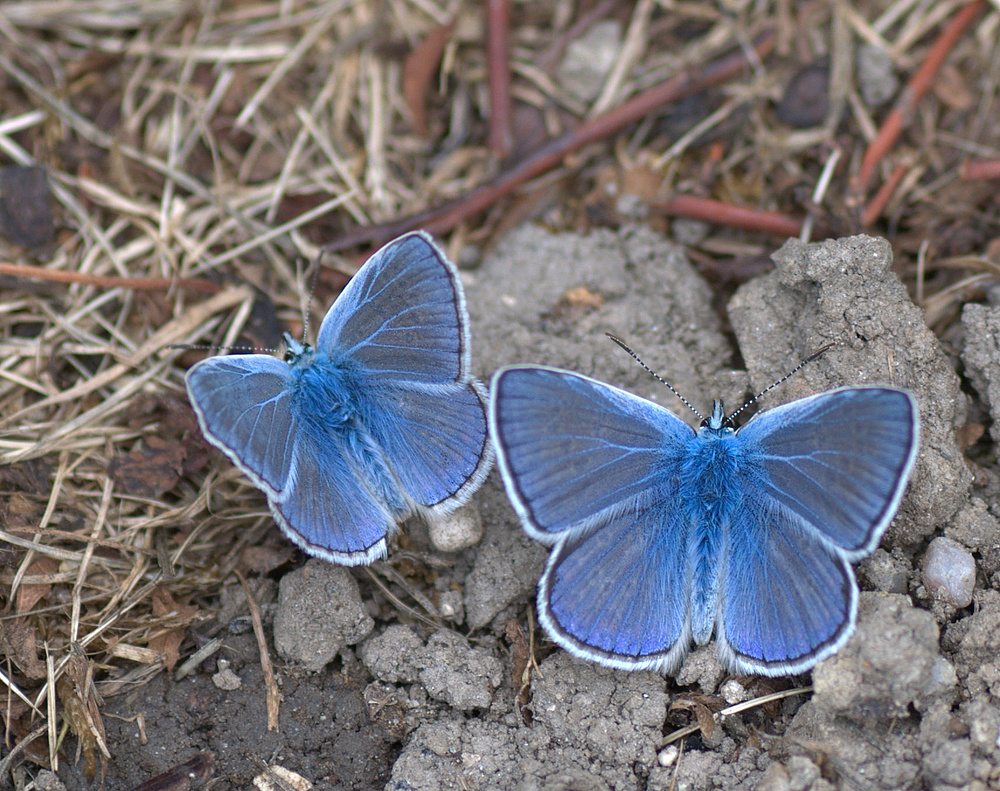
(326, 393)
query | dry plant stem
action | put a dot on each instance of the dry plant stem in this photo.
(548, 156)
(110, 281)
(273, 696)
(901, 113)
(720, 213)
(973, 169)
(418, 73)
(881, 198)
(499, 137)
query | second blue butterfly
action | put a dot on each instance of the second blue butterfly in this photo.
(662, 536)
(380, 420)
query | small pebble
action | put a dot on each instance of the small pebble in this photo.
(461, 529)
(225, 678)
(589, 60)
(876, 76)
(733, 692)
(667, 755)
(806, 97)
(949, 572)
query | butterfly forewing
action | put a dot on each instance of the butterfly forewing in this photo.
(572, 450)
(243, 407)
(402, 317)
(840, 460)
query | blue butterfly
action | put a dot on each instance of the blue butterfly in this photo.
(381, 420)
(662, 535)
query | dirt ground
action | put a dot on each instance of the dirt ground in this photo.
(193, 159)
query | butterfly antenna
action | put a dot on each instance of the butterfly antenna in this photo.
(209, 348)
(795, 370)
(655, 375)
(312, 290)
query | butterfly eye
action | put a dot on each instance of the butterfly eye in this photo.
(289, 356)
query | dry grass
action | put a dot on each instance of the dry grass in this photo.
(225, 142)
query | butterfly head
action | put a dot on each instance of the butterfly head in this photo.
(717, 421)
(297, 353)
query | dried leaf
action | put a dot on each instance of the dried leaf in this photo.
(520, 654)
(951, 88)
(28, 476)
(80, 708)
(151, 471)
(28, 595)
(699, 706)
(188, 776)
(168, 643)
(19, 641)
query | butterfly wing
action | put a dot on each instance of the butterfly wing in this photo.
(402, 325)
(594, 470)
(788, 599)
(242, 402)
(402, 317)
(572, 449)
(436, 438)
(327, 508)
(821, 480)
(617, 594)
(839, 460)
(244, 407)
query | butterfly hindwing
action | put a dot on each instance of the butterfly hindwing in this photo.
(330, 509)
(617, 594)
(787, 599)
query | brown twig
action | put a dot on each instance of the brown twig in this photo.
(972, 169)
(881, 198)
(273, 696)
(499, 137)
(546, 157)
(900, 114)
(721, 213)
(110, 281)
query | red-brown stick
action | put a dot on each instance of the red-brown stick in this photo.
(973, 169)
(498, 62)
(914, 91)
(881, 198)
(445, 217)
(728, 214)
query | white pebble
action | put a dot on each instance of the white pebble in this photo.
(461, 529)
(949, 572)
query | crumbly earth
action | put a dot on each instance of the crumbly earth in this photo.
(390, 702)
